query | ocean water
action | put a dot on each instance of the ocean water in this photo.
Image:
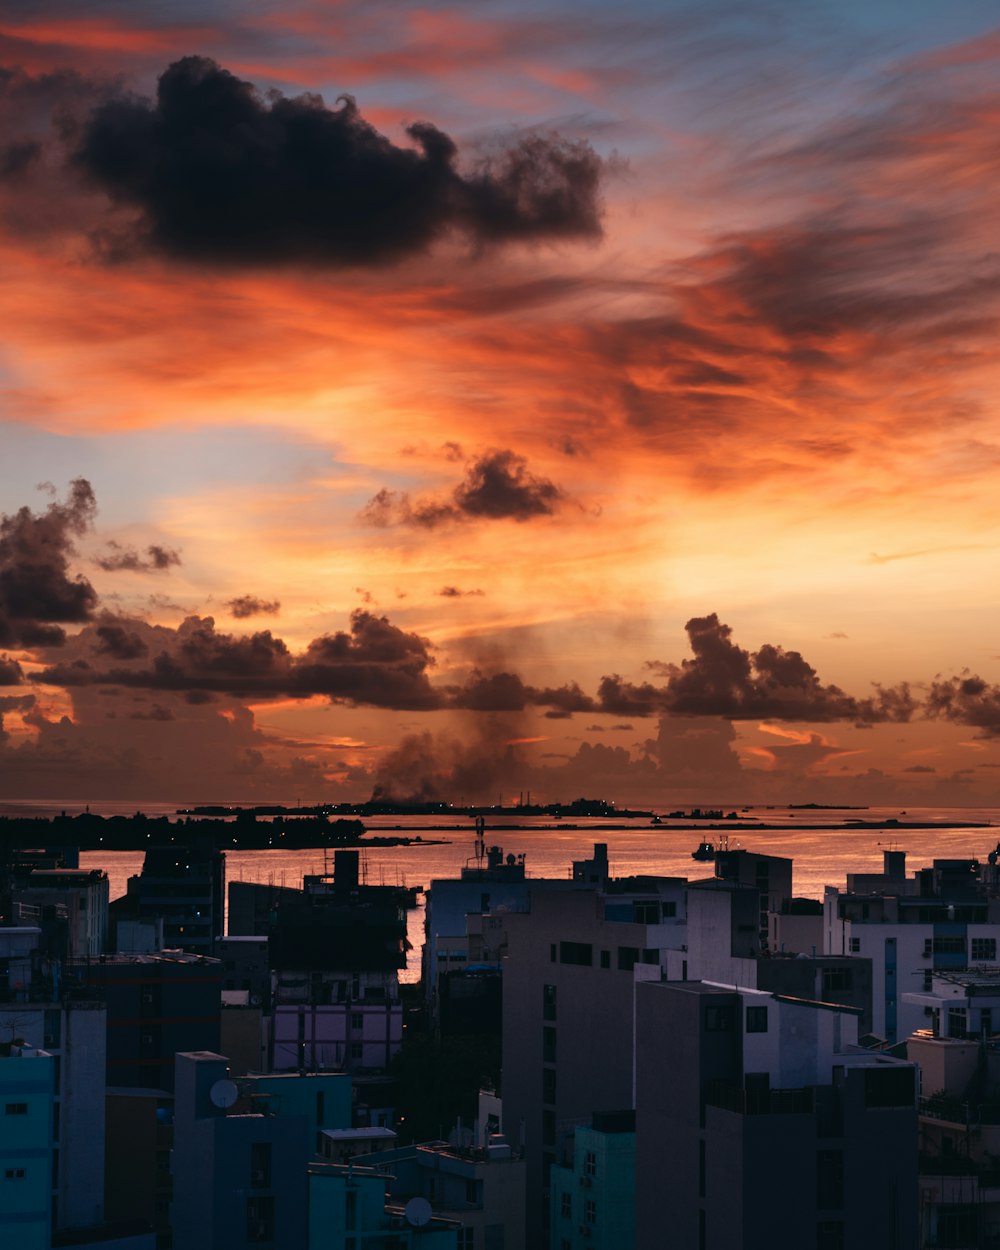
(823, 850)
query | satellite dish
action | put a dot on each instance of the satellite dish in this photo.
(223, 1094)
(418, 1212)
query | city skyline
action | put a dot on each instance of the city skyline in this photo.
(471, 400)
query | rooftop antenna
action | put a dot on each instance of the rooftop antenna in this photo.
(480, 840)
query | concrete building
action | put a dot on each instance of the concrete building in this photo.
(184, 887)
(157, 1005)
(139, 1137)
(761, 1123)
(348, 1210)
(70, 1024)
(949, 921)
(27, 1100)
(479, 1188)
(770, 876)
(593, 1200)
(81, 894)
(238, 1180)
(335, 954)
(568, 1006)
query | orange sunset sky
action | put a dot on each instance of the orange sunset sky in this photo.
(467, 399)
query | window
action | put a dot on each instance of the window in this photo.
(984, 950)
(548, 1002)
(548, 1085)
(548, 1128)
(17, 1108)
(605, 959)
(579, 953)
(14, 1174)
(548, 1045)
(466, 1239)
(357, 1050)
(830, 1235)
(957, 1022)
(552, 952)
(719, 1019)
(357, 1020)
(260, 1219)
(756, 1019)
(949, 946)
(628, 957)
(590, 1163)
(590, 1211)
(566, 1206)
(889, 1087)
(837, 980)
(650, 956)
(260, 1165)
(855, 945)
(669, 911)
(646, 913)
(829, 1179)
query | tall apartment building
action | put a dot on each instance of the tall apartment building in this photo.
(593, 1199)
(568, 1012)
(761, 1123)
(27, 1100)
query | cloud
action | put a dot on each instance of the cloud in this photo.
(967, 700)
(11, 673)
(497, 486)
(373, 663)
(220, 173)
(726, 680)
(37, 593)
(453, 592)
(920, 768)
(249, 605)
(119, 558)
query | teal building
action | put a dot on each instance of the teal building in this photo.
(593, 1202)
(27, 1098)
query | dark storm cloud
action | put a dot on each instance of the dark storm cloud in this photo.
(37, 593)
(220, 173)
(498, 486)
(119, 643)
(119, 558)
(249, 605)
(11, 673)
(373, 663)
(966, 700)
(723, 679)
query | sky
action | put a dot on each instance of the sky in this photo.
(451, 401)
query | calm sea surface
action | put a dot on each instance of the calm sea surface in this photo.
(823, 854)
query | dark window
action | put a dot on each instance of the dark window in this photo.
(357, 1020)
(548, 1085)
(579, 953)
(829, 1179)
(566, 1206)
(553, 954)
(590, 1163)
(590, 1211)
(830, 1235)
(260, 1219)
(357, 1050)
(949, 946)
(837, 980)
(669, 911)
(650, 956)
(719, 1020)
(855, 945)
(984, 950)
(548, 1128)
(605, 959)
(701, 1169)
(17, 1108)
(14, 1174)
(260, 1165)
(628, 957)
(889, 1087)
(548, 1045)
(548, 1002)
(756, 1019)
(957, 1022)
(646, 913)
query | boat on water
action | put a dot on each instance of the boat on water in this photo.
(706, 850)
